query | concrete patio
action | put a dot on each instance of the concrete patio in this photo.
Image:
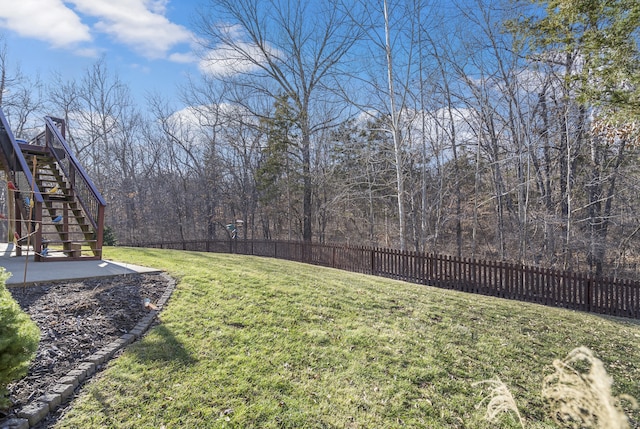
(27, 272)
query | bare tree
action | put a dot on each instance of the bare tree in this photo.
(390, 31)
(274, 48)
(21, 96)
(64, 102)
(106, 135)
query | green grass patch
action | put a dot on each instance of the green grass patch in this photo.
(250, 342)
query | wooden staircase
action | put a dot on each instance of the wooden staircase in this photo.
(65, 227)
(58, 214)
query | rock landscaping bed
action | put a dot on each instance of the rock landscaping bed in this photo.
(78, 321)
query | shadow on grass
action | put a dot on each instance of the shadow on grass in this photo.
(161, 345)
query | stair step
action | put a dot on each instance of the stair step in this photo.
(67, 254)
(72, 225)
(58, 197)
(74, 237)
(82, 242)
(63, 233)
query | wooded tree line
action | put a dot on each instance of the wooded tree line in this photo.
(501, 130)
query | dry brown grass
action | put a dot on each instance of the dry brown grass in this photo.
(499, 400)
(578, 394)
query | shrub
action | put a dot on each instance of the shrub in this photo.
(109, 237)
(19, 338)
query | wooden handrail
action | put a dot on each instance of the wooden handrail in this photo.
(89, 196)
(19, 173)
(16, 162)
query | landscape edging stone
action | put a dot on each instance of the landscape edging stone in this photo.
(33, 413)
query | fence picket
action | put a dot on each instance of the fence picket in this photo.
(618, 297)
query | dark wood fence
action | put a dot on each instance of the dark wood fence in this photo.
(583, 292)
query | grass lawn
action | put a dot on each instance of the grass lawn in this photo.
(250, 342)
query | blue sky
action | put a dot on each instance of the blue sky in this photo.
(148, 43)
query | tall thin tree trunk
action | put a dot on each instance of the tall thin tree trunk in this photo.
(397, 137)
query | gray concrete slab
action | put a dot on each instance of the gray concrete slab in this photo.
(39, 272)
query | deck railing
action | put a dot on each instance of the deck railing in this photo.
(557, 288)
(90, 199)
(21, 176)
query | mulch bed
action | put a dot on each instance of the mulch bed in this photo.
(76, 319)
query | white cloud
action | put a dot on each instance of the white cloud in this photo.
(202, 115)
(198, 122)
(142, 68)
(183, 57)
(224, 61)
(235, 56)
(229, 60)
(48, 20)
(157, 6)
(139, 24)
(87, 52)
(191, 116)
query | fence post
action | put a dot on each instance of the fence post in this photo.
(590, 289)
(333, 256)
(567, 289)
(373, 261)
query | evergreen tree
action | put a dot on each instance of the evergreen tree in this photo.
(600, 40)
(591, 47)
(278, 177)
